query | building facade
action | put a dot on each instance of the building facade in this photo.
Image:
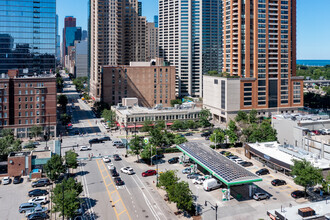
(81, 57)
(151, 82)
(69, 21)
(26, 102)
(152, 41)
(117, 36)
(28, 36)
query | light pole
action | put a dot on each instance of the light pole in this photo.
(126, 140)
(214, 208)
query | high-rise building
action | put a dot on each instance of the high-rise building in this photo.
(81, 57)
(152, 41)
(156, 21)
(27, 35)
(58, 43)
(190, 38)
(116, 37)
(84, 35)
(69, 21)
(140, 8)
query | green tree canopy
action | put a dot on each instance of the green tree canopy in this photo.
(148, 151)
(218, 136)
(136, 146)
(160, 125)
(109, 116)
(147, 126)
(176, 101)
(204, 119)
(54, 167)
(168, 179)
(62, 100)
(241, 116)
(253, 116)
(182, 196)
(177, 125)
(8, 143)
(191, 124)
(179, 139)
(36, 131)
(65, 118)
(71, 159)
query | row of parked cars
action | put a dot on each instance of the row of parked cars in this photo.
(236, 159)
(320, 132)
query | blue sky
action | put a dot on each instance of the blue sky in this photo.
(313, 23)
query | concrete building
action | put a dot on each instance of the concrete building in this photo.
(295, 129)
(129, 117)
(69, 21)
(81, 57)
(117, 36)
(151, 82)
(26, 102)
(152, 41)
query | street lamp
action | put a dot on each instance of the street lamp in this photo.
(126, 140)
(214, 208)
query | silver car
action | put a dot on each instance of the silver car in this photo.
(6, 180)
(260, 196)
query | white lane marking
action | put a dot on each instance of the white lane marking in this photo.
(87, 195)
(127, 190)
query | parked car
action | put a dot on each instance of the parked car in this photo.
(127, 170)
(325, 131)
(41, 182)
(193, 175)
(38, 216)
(24, 207)
(30, 145)
(37, 209)
(317, 132)
(118, 181)
(246, 164)
(262, 171)
(106, 159)
(232, 157)
(149, 173)
(17, 180)
(188, 134)
(76, 132)
(84, 148)
(94, 141)
(116, 157)
(297, 194)
(118, 144)
(37, 192)
(111, 166)
(114, 172)
(238, 160)
(278, 182)
(205, 134)
(39, 200)
(36, 143)
(198, 180)
(105, 138)
(173, 160)
(211, 184)
(6, 180)
(187, 170)
(224, 152)
(260, 196)
(207, 138)
(158, 157)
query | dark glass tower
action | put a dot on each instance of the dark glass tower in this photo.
(27, 35)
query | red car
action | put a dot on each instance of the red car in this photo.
(149, 173)
(316, 132)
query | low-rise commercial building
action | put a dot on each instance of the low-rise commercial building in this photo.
(151, 82)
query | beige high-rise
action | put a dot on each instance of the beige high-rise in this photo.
(117, 36)
(152, 41)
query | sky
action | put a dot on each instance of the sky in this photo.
(313, 23)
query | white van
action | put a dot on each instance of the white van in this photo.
(211, 184)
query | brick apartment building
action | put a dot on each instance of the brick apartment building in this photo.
(151, 82)
(27, 101)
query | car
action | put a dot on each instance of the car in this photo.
(232, 157)
(118, 181)
(245, 164)
(207, 138)
(206, 134)
(6, 180)
(238, 160)
(316, 132)
(111, 166)
(278, 182)
(106, 159)
(187, 170)
(24, 207)
(37, 192)
(260, 196)
(198, 180)
(158, 157)
(116, 157)
(224, 152)
(39, 200)
(114, 172)
(17, 179)
(94, 141)
(37, 209)
(84, 148)
(118, 144)
(297, 194)
(76, 132)
(193, 175)
(30, 145)
(149, 173)
(173, 160)
(188, 134)
(263, 171)
(41, 182)
(105, 138)
(325, 131)
(38, 216)
(127, 170)
(36, 143)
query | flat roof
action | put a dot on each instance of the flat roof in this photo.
(135, 110)
(287, 153)
(218, 165)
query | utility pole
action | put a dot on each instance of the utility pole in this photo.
(214, 208)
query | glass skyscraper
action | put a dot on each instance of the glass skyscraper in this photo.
(27, 35)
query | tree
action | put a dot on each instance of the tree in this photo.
(36, 131)
(7, 132)
(136, 145)
(204, 119)
(8, 143)
(326, 184)
(218, 136)
(54, 167)
(71, 159)
(156, 137)
(168, 179)
(100, 106)
(212, 72)
(176, 101)
(109, 116)
(59, 83)
(182, 196)
(306, 175)
(253, 116)
(65, 118)
(148, 151)
(160, 125)
(179, 139)
(65, 197)
(191, 124)
(147, 126)
(62, 100)
(177, 125)
(241, 116)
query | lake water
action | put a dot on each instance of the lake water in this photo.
(313, 62)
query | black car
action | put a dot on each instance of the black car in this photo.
(263, 171)
(118, 181)
(114, 173)
(278, 182)
(37, 192)
(223, 152)
(94, 141)
(193, 175)
(207, 138)
(188, 134)
(206, 134)
(17, 179)
(246, 164)
(40, 183)
(105, 138)
(76, 132)
(30, 145)
(173, 160)
(298, 194)
(116, 157)
(38, 216)
(158, 157)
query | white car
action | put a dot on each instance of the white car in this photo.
(239, 160)
(6, 180)
(127, 170)
(110, 166)
(39, 200)
(106, 159)
(84, 148)
(198, 180)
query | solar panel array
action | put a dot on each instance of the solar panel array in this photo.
(220, 165)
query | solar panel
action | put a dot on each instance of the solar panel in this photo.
(226, 169)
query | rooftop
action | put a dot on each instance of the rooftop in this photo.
(19, 154)
(42, 154)
(303, 117)
(286, 153)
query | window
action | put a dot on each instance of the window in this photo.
(38, 99)
(19, 106)
(19, 92)
(215, 81)
(19, 122)
(31, 92)
(31, 106)
(26, 99)
(26, 121)
(31, 113)
(5, 115)
(26, 114)
(31, 99)
(31, 121)
(19, 99)
(37, 120)
(26, 92)
(38, 113)
(19, 114)
(37, 91)
(42, 98)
